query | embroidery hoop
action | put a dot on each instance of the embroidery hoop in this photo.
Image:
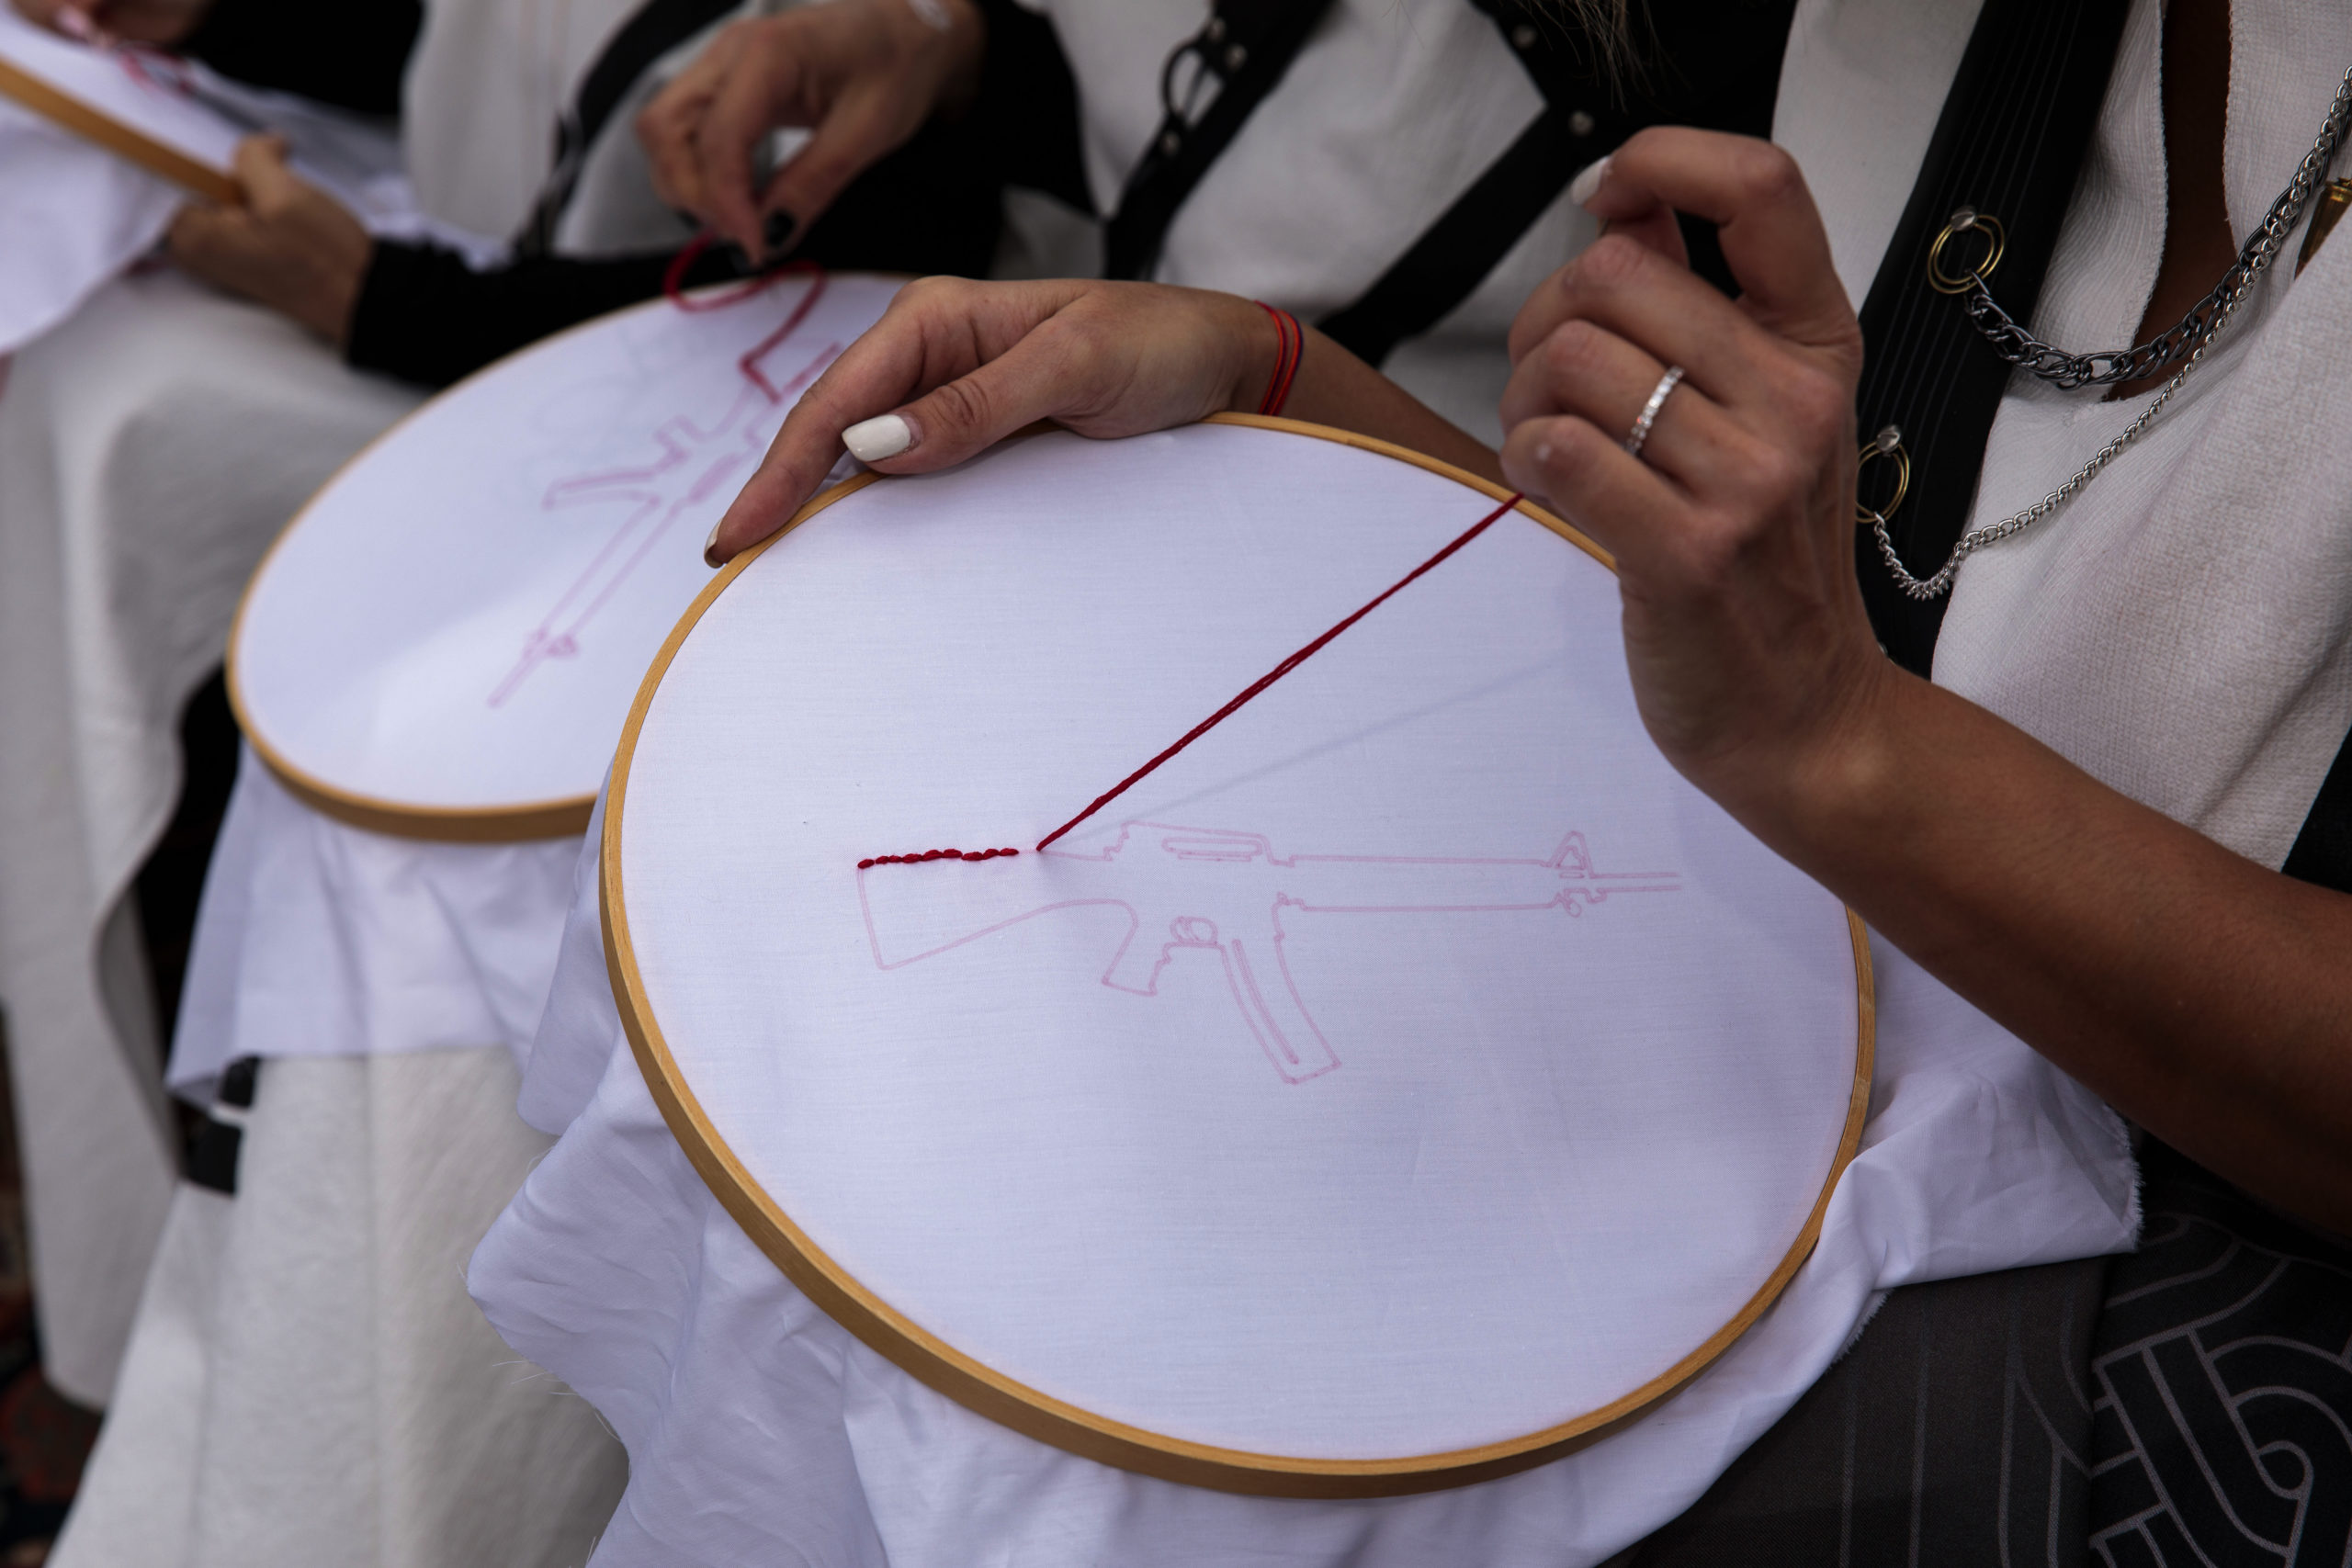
(70, 113)
(552, 817)
(969, 1382)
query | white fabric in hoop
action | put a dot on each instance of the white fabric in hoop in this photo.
(1415, 1064)
(573, 484)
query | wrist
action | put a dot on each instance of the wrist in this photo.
(1841, 779)
(1267, 345)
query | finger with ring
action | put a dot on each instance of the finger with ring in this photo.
(1639, 435)
(1671, 426)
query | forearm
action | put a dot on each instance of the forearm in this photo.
(426, 317)
(2205, 997)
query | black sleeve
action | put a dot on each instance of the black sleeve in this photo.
(1026, 114)
(425, 316)
(347, 52)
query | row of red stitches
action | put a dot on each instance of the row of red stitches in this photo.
(934, 854)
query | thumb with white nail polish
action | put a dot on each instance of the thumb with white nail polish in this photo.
(871, 440)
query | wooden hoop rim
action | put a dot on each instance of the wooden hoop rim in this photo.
(563, 816)
(70, 113)
(970, 1382)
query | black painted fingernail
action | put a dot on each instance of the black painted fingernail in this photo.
(778, 229)
(739, 256)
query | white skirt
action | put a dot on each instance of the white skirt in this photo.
(308, 1385)
(151, 448)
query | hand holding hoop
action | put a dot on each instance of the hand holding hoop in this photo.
(954, 367)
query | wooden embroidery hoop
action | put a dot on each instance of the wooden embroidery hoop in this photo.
(95, 124)
(563, 816)
(968, 1381)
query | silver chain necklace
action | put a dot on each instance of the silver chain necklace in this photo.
(2186, 344)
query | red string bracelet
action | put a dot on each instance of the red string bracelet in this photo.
(1291, 341)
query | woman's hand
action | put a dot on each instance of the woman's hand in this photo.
(2204, 996)
(162, 23)
(953, 366)
(292, 246)
(1733, 528)
(865, 75)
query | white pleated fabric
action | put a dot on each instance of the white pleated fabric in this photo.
(309, 1386)
(318, 938)
(308, 1381)
(150, 450)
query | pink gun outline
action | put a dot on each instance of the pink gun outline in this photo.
(693, 464)
(1231, 891)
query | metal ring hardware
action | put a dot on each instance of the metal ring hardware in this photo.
(1887, 443)
(1967, 221)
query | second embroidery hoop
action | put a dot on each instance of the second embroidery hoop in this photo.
(442, 642)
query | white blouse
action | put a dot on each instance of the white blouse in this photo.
(1390, 112)
(2182, 628)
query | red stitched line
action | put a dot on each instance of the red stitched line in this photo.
(674, 277)
(1278, 671)
(750, 363)
(932, 854)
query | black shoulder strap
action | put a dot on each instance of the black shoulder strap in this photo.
(2010, 142)
(2322, 851)
(1704, 64)
(656, 29)
(1244, 49)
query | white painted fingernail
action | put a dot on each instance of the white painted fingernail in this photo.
(1586, 184)
(870, 441)
(711, 542)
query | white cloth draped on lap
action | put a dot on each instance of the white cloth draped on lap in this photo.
(309, 1386)
(76, 215)
(150, 450)
(318, 938)
(759, 1430)
(308, 1382)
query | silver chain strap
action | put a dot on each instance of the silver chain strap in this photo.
(2190, 340)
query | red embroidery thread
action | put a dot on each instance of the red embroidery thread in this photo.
(674, 289)
(872, 861)
(1279, 671)
(1227, 711)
